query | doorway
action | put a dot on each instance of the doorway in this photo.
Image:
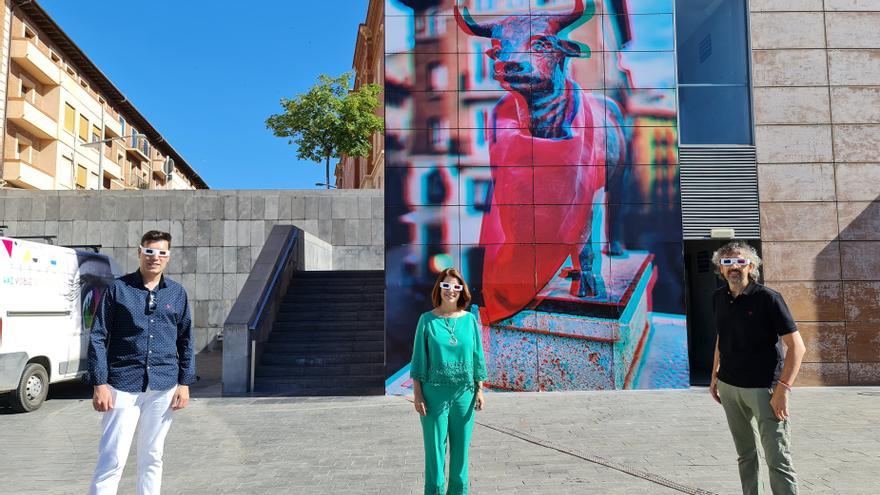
(701, 282)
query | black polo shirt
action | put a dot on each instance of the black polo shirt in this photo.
(749, 327)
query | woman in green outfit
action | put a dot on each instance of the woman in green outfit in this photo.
(448, 369)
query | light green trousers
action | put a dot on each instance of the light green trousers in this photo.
(748, 412)
(450, 418)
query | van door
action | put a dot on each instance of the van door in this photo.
(93, 275)
(36, 303)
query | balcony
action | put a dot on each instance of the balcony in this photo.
(35, 62)
(112, 127)
(137, 149)
(111, 170)
(32, 119)
(138, 182)
(23, 174)
(159, 169)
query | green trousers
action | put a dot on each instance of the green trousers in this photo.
(450, 418)
(748, 412)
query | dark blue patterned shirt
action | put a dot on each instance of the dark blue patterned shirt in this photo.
(135, 346)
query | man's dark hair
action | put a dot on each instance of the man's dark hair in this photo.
(156, 235)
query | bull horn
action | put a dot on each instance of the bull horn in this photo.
(469, 25)
(579, 12)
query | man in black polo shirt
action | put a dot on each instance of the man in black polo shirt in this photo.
(750, 377)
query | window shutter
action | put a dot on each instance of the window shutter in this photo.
(719, 189)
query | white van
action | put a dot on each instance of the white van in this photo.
(48, 299)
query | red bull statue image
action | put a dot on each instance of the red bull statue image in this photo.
(543, 192)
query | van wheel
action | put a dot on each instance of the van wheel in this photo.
(32, 389)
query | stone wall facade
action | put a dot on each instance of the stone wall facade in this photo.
(816, 76)
(216, 235)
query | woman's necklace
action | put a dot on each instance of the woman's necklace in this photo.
(451, 329)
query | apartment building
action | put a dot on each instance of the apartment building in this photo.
(66, 125)
(368, 64)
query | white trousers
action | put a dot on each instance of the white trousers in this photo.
(150, 414)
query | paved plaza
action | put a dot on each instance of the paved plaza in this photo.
(633, 442)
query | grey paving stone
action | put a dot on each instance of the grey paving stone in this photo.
(323, 446)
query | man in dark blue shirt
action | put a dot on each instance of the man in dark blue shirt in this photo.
(141, 363)
(752, 375)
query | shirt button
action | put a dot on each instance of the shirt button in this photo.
(151, 321)
(149, 352)
(148, 367)
(151, 336)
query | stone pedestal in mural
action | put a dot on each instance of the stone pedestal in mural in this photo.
(565, 342)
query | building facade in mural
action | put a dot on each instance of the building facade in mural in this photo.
(522, 137)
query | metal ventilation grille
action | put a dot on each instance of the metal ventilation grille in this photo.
(719, 189)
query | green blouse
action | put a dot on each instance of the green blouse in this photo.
(448, 351)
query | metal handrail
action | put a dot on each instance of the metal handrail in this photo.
(250, 321)
(257, 318)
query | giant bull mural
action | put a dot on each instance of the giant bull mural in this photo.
(552, 117)
(518, 194)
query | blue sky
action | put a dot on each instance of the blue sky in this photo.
(206, 73)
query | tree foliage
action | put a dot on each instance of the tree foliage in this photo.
(330, 120)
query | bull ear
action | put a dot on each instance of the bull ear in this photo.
(573, 48)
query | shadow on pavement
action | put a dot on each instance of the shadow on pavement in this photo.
(209, 369)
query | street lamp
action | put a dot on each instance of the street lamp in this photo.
(97, 145)
(324, 184)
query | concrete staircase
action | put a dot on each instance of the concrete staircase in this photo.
(328, 338)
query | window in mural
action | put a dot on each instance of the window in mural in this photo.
(547, 172)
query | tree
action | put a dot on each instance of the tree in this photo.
(330, 120)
